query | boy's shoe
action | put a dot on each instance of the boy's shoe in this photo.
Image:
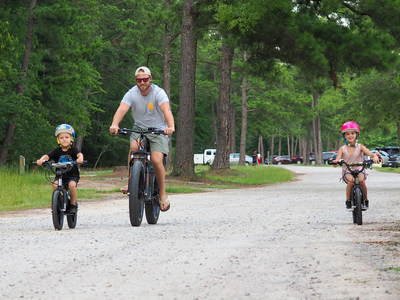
(348, 204)
(72, 209)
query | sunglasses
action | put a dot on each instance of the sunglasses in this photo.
(138, 80)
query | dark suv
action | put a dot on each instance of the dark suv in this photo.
(389, 150)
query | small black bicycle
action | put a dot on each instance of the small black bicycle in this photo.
(143, 188)
(61, 199)
(357, 192)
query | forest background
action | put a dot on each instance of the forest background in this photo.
(277, 76)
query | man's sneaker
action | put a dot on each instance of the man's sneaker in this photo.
(72, 209)
(348, 204)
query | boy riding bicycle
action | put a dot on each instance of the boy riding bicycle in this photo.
(66, 153)
(352, 152)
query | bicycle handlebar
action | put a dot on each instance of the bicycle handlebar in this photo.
(63, 166)
(125, 131)
(363, 164)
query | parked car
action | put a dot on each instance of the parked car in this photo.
(234, 159)
(270, 159)
(389, 150)
(394, 161)
(331, 159)
(279, 160)
(312, 158)
(384, 156)
(297, 159)
(328, 155)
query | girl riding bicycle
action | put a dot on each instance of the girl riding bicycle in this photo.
(352, 152)
(66, 153)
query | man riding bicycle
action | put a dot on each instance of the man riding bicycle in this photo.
(150, 109)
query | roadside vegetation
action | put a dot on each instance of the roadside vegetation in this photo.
(31, 190)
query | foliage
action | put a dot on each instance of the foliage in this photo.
(85, 53)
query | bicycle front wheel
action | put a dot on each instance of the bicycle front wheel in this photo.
(153, 206)
(57, 203)
(72, 218)
(136, 188)
(358, 203)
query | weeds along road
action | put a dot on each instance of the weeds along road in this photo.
(287, 241)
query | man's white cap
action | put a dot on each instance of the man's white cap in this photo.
(143, 70)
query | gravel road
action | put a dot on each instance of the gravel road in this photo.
(287, 241)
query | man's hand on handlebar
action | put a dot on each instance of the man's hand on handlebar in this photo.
(114, 129)
(169, 130)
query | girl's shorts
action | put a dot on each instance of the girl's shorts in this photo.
(348, 173)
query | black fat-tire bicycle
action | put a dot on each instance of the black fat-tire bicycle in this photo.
(143, 188)
(357, 192)
(61, 198)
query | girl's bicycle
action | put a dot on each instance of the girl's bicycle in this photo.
(61, 199)
(143, 188)
(357, 192)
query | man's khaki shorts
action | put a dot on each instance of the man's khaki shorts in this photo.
(158, 142)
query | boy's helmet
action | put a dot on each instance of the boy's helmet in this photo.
(65, 128)
(350, 126)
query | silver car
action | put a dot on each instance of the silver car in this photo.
(384, 155)
(234, 159)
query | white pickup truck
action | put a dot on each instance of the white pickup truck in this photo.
(205, 158)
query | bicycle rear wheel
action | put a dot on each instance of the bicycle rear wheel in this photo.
(358, 203)
(57, 203)
(152, 207)
(136, 188)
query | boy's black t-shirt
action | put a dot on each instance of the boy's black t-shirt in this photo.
(58, 155)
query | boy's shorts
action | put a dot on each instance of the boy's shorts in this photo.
(66, 180)
(158, 142)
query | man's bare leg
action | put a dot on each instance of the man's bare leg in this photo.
(157, 159)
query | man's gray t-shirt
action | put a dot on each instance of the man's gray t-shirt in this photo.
(146, 109)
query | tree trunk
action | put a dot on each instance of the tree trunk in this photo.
(184, 164)
(398, 132)
(243, 130)
(167, 74)
(279, 143)
(222, 156)
(232, 130)
(8, 139)
(317, 132)
(272, 148)
(214, 125)
(308, 144)
(261, 146)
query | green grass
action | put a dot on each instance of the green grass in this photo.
(23, 191)
(388, 170)
(249, 175)
(32, 190)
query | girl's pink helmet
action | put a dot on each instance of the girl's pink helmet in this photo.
(350, 126)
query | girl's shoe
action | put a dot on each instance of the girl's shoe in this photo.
(365, 205)
(348, 204)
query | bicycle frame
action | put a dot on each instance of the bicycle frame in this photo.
(62, 186)
(143, 154)
(357, 192)
(142, 184)
(61, 195)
